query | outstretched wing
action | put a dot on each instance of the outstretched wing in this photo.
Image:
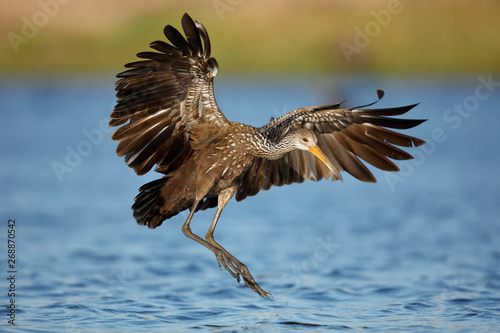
(161, 98)
(343, 135)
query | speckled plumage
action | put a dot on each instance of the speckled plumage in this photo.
(168, 117)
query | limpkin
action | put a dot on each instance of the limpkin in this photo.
(169, 118)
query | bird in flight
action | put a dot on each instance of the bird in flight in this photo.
(167, 116)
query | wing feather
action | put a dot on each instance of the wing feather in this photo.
(163, 47)
(193, 35)
(177, 40)
(295, 167)
(164, 96)
(344, 135)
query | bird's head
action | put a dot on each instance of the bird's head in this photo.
(305, 139)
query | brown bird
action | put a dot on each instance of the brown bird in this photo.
(169, 118)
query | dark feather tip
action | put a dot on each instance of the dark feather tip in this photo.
(380, 93)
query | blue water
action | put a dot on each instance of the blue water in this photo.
(418, 251)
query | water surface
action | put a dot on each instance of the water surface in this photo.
(417, 251)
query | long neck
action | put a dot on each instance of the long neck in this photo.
(273, 151)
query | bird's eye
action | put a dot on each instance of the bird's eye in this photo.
(304, 139)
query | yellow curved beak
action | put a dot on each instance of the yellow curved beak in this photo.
(319, 154)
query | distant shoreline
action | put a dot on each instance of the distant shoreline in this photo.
(442, 37)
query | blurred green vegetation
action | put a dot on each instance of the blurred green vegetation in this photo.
(418, 37)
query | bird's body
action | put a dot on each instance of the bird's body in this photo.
(218, 161)
(169, 118)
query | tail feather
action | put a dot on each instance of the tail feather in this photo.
(166, 197)
(153, 205)
(149, 198)
(148, 194)
(161, 199)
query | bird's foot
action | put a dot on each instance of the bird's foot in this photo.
(237, 269)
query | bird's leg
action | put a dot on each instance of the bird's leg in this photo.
(221, 254)
(235, 267)
(230, 263)
(186, 229)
